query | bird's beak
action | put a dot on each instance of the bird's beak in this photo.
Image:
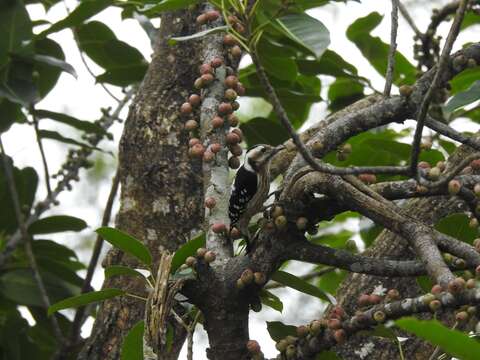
(276, 150)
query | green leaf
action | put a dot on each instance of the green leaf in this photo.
(271, 300)
(123, 76)
(19, 286)
(103, 47)
(47, 75)
(464, 80)
(166, 5)
(52, 61)
(132, 347)
(55, 224)
(85, 299)
(53, 135)
(456, 225)
(470, 19)
(464, 98)
(330, 64)
(453, 342)
(279, 330)
(86, 126)
(343, 92)
(17, 83)
(15, 27)
(116, 270)
(85, 10)
(198, 35)
(301, 285)
(186, 250)
(263, 131)
(306, 31)
(282, 68)
(376, 51)
(126, 243)
(327, 355)
(10, 113)
(26, 182)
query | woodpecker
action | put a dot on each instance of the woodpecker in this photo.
(251, 186)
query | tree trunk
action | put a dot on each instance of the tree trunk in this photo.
(162, 191)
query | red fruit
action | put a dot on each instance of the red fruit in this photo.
(236, 150)
(239, 28)
(364, 300)
(436, 289)
(302, 331)
(253, 347)
(216, 62)
(186, 108)
(229, 40)
(240, 89)
(208, 156)
(393, 294)
(247, 276)
(239, 133)
(231, 81)
(215, 147)
(236, 52)
(219, 228)
(457, 285)
(190, 261)
(475, 164)
(201, 252)
(202, 19)
(212, 15)
(194, 100)
(477, 270)
(207, 79)
(235, 233)
(217, 122)
(334, 324)
(198, 84)
(191, 125)
(338, 312)
(193, 141)
(197, 150)
(375, 299)
(230, 94)
(233, 120)
(367, 178)
(225, 108)
(424, 165)
(234, 163)
(206, 69)
(454, 187)
(340, 336)
(232, 138)
(259, 278)
(209, 257)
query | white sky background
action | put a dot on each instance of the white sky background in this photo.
(83, 99)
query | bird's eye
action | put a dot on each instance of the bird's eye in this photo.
(263, 149)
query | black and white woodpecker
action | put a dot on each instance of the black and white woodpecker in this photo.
(251, 187)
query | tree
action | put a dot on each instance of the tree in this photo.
(179, 140)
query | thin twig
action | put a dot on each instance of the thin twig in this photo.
(392, 51)
(444, 58)
(27, 239)
(42, 151)
(79, 315)
(190, 332)
(408, 18)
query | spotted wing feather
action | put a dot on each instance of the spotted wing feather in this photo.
(243, 189)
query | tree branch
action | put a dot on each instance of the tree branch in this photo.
(442, 64)
(392, 50)
(27, 239)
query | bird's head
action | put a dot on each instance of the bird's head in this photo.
(259, 156)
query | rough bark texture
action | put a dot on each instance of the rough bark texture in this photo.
(162, 191)
(389, 245)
